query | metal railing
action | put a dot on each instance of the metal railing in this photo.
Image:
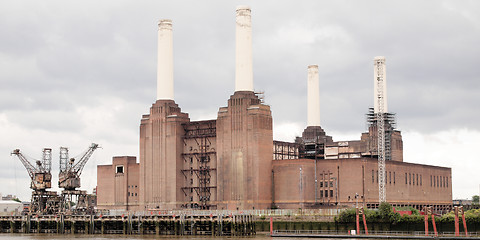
(255, 212)
(373, 233)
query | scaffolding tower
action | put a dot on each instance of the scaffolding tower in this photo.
(389, 123)
(202, 164)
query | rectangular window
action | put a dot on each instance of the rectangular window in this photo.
(373, 176)
(321, 184)
(410, 179)
(377, 176)
(390, 177)
(326, 193)
(431, 180)
(437, 182)
(321, 194)
(417, 178)
(406, 179)
(394, 178)
(447, 181)
(331, 193)
(420, 180)
(331, 184)
(413, 179)
(119, 169)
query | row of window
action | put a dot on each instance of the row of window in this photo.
(388, 177)
(438, 181)
(326, 193)
(326, 184)
(411, 179)
(132, 194)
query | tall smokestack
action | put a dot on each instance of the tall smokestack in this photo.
(243, 50)
(313, 105)
(165, 60)
(379, 73)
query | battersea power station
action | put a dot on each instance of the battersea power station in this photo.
(232, 162)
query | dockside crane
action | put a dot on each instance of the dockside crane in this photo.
(69, 179)
(43, 201)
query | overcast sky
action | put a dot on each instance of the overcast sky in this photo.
(76, 72)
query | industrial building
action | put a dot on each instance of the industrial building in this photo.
(232, 162)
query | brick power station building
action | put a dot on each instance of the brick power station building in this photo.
(232, 162)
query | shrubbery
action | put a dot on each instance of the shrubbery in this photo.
(385, 214)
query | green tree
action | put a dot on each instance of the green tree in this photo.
(386, 214)
(16, 200)
(475, 199)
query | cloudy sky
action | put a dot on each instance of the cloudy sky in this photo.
(76, 72)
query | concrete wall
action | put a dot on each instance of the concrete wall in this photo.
(244, 153)
(161, 160)
(118, 190)
(347, 177)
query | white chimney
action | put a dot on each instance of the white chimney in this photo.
(379, 72)
(165, 60)
(243, 50)
(313, 104)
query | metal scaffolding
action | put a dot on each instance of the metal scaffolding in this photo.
(285, 150)
(204, 155)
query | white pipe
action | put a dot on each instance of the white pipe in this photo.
(243, 50)
(379, 63)
(165, 60)
(313, 95)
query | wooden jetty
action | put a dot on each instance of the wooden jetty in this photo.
(160, 224)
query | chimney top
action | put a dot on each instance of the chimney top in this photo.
(243, 7)
(165, 24)
(312, 66)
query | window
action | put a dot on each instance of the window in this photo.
(405, 178)
(191, 180)
(390, 177)
(321, 194)
(417, 178)
(413, 179)
(377, 176)
(321, 184)
(326, 193)
(393, 177)
(410, 178)
(447, 181)
(119, 169)
(431, 180)
(331, 193)
(420, 180)
(373, 176)
(437, 182)
(331, 184)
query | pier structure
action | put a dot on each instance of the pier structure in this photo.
(156, 223)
